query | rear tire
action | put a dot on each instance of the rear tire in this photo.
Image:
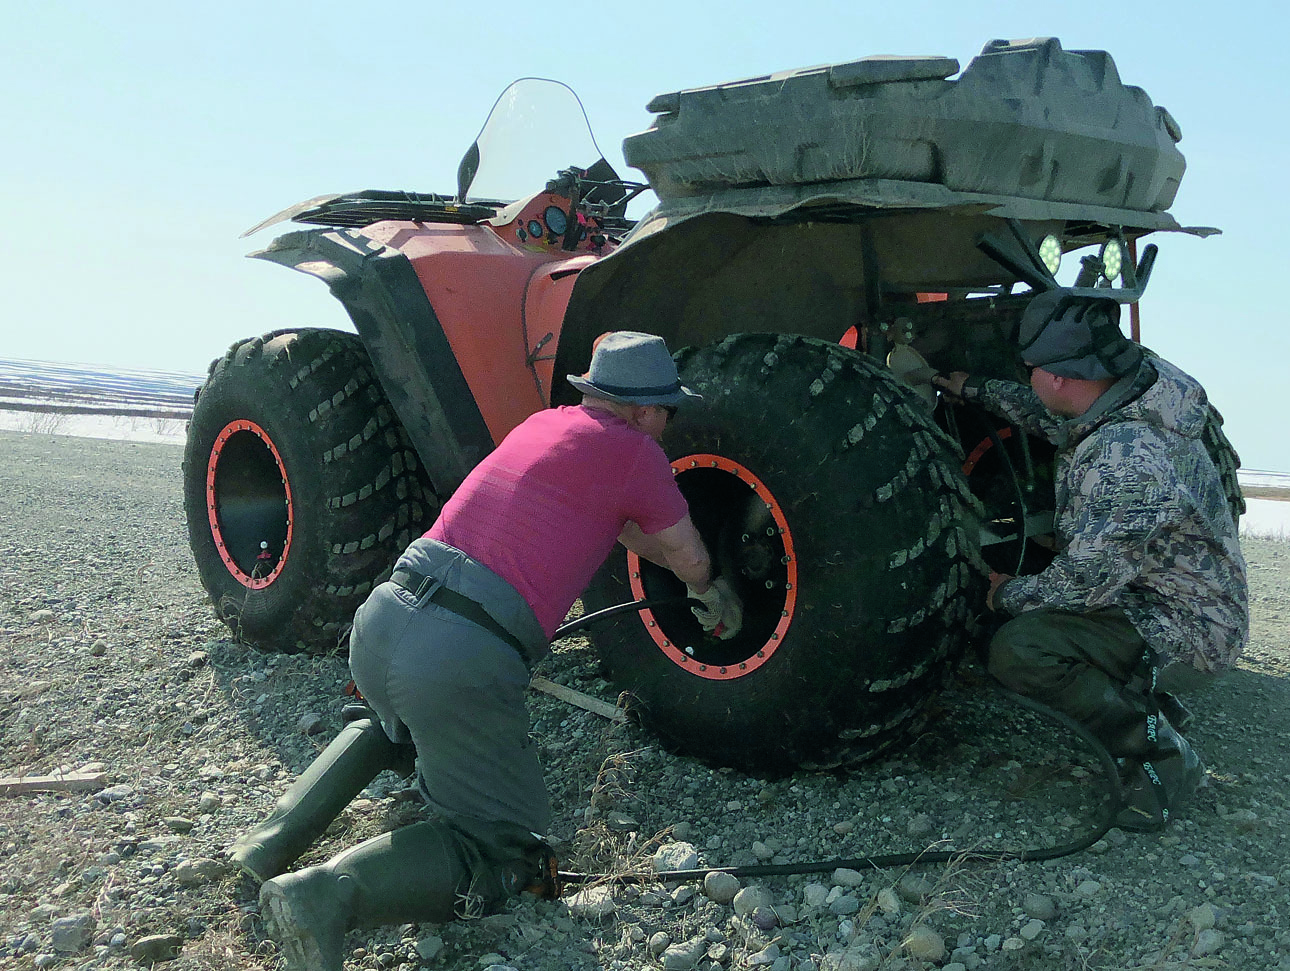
(838, 510)
(300, 487)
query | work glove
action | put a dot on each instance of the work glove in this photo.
(721, 614)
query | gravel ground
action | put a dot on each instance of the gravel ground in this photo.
(112, 661)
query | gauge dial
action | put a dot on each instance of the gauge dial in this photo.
(556, 220)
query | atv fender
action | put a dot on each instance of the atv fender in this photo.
(379, 289)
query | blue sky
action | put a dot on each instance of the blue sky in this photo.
(140, 140)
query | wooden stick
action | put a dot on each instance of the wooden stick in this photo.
(575, 697)
(67, 782)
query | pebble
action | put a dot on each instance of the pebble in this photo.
(74, 933)
(1208, 941)
(920, 825)
(42, 616)
(1031, 929)
(914, 888)
(209, 801)
(311, 723)
(683, 956)
(157, 947)
(750, 898)
(115, 793)
(98, 648)
(925, 944)
(658, 943)
(843, 877)
(1040, 906)
(595, 903)
(675, 856)
(889, 901)
(430, 948)
(192, 873)
(178, 824)
(1204, 917)
(719, 887)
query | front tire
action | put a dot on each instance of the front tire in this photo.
(300, 487)
(836, 506)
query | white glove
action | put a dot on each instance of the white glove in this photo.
(721, 613)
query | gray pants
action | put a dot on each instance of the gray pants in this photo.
(1063, 658)
(457, 692)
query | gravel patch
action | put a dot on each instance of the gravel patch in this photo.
(112, 661)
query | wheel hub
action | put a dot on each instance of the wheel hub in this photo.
(248, 504)
(748, 535)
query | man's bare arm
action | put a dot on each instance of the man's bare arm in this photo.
(678, 548)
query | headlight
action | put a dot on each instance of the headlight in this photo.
(1112, 257)
(1050, 251)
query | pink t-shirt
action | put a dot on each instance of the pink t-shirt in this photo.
(544, 509)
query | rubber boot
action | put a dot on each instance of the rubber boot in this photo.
(1160, 768)
(412, 875)
(340, 772)
(1159, 781)
(1171, 706)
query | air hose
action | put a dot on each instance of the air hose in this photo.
(1110, 787)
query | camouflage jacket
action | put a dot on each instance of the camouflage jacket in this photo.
(1141, 521)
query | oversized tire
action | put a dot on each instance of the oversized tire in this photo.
(838, 509)
(300, 487)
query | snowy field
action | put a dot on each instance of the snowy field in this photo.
(151, 406)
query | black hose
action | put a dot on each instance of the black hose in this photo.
(1110, 785)
(586, 620)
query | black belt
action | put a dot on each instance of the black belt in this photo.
(461, 605)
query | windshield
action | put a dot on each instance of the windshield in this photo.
(536, 129)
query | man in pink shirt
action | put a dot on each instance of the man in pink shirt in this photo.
(442, 651)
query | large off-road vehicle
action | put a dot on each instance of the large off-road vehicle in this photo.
(822, 239)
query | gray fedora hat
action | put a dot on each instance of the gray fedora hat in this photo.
(635, 369)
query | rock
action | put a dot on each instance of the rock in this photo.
(98, 648)
(621, 822)
(888, 901)
(1203, 917)
(765, 918)
(1031, 929)
(925, 944)
(74, 933)
(683, 956)
(842, 877)
(762, 851)
(920, 825)
(209, 801)
(178, 824)
(766, 957)
(43, 912)
(197, 659)
(1013, 944)
(311, 723)
(43, 616)
(814, 895)
(914, 888)
(658, 943)
(1208, 941)
(596, 903)
(1089, 888)
(192, 873)
(844, 827)
(157, 947)
(683, 894)
(750, 898)
(681, 831)
(675, 856)
(1039, 906)
(845, 905)
(857, 957)
(115, 793)
(719, 887)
